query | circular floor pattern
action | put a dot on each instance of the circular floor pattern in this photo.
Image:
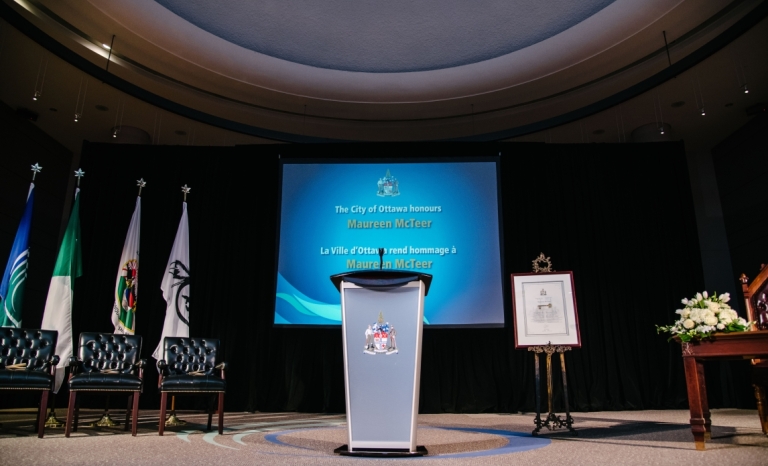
(442, 442)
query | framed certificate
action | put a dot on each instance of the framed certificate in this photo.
(544, 309)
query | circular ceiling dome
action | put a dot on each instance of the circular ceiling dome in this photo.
(392, 36)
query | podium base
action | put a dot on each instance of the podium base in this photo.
(344, 451)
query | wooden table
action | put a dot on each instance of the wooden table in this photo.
(741, 345)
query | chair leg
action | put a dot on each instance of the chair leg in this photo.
(128, 410)
(41, 413)
(70, 413)
(211, 401)
(77, 414)
(221, 413)
(163, 402)
(135, 414)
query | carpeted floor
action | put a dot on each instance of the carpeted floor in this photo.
(616, 438)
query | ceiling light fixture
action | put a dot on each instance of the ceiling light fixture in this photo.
(78, 107)
(106, 46)
(746, 91)
(39, 92)
(118, 118)
(698, 96)
(660, 115)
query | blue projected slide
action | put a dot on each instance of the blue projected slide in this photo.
(440, 218)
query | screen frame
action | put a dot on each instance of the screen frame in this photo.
(299, 159)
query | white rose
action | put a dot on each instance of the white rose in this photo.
(711, 320)
(699, 297)
(705, 294)
(688, 323)
(720, 326)
(686, 312)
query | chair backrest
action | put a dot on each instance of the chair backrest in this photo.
(756, 297)
(185, 354)
(34, 347)
(99, 351)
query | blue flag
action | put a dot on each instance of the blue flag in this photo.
(12, 286)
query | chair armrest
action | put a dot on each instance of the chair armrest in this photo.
(140, 365)
(73, 364)
(162, 369)
(161, 366)
(54, 361)
(222, 366)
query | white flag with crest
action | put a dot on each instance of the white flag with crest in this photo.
(175, 287)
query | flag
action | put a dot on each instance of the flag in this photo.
(58, 305)
(12, 286)
(127, 285)
(175, 286)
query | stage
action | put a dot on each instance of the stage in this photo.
(611, 437)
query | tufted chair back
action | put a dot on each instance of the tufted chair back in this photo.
(184, 355)
(33, 347)
(99, 351)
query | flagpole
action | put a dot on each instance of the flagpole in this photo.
(52, 421)
(106, 420)
(173, 420)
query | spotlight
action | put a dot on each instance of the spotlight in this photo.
(661, 130)
(37, 94)
(746, 91)
(114, 133)
(703, 112)
(77, 117)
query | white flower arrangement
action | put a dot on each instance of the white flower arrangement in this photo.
(704, 315)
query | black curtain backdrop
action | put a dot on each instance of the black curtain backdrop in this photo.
(619, 216)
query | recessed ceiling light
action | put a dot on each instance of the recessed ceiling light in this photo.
(678, 104)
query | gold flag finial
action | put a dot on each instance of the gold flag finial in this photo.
(381, 317)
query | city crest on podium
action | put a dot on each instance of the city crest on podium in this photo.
(380, 337)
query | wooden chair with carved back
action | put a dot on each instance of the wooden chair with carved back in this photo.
(756, 299)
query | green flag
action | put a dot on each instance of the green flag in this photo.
(58, 306)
